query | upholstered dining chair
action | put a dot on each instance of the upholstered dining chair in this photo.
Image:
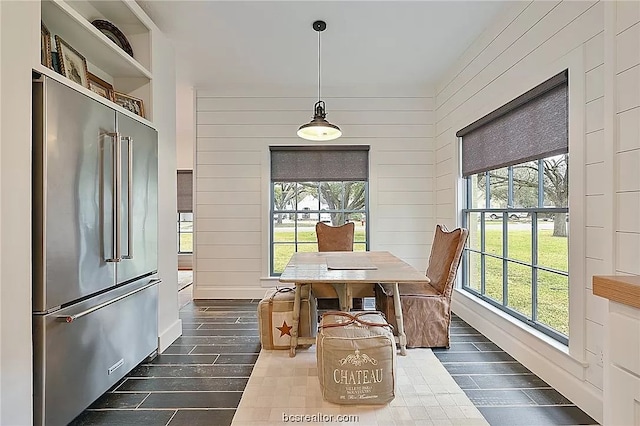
(336, 238)
(426, 308)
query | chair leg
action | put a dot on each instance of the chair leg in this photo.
(343, 297)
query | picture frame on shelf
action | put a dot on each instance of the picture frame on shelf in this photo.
(129, 103)
(55, 62)
(72, 64)
(45, 46)
(99, 86)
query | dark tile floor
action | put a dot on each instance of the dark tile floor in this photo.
(505, 392)
(199, 379)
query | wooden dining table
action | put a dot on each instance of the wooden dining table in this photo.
(345, 268)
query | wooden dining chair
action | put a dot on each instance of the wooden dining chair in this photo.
(337, 238)
(333, 238)
(426, 308)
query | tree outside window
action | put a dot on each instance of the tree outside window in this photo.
(298, 206)
(517, 254)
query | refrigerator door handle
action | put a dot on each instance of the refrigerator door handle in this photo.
(115, 200)
(129, 254)
(71, 318)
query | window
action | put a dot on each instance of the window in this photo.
(516, 209)
(185, 211)
(312, 184)
(185, 233)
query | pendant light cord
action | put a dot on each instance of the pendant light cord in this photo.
(319, 66)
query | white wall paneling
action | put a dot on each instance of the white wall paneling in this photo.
(21, 21)
(595, 337)
(405, 184)
(628, 128)
(18, 21)
(169, 325)
(628, 170)
(594, 371)
(627, 136)
(231, 265)
(232, 198)
(627, 14)
(224, 157)
(594, 267)
(595, 83)
(185, 125)
(628, 208)
(607, 153)
(597, 308)
(295, 117)
(595, 115)
(594, 52)
(594, 183)
(213, 101)
(595, 215)
(223, 251)
(233, 179)
(595, 147)
(229, 184)
(390, 224)
(627, 248)
(628, 48)
(528, 45)
(628, 89)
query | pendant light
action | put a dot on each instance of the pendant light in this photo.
(319, 129)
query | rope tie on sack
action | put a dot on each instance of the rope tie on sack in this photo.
(280, 290)
(356, 319)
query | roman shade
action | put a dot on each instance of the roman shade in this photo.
(185, 191)
(319, 163)
(530, 127)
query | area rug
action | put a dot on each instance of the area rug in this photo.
(284, 390)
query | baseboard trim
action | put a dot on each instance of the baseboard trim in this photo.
(562, 373)
(170, 335)
(228, 293)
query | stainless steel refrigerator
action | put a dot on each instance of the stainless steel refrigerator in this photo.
(95, 220)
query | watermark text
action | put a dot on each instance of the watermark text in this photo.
(320, 418)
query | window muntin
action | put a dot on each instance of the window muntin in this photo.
(517, 254)
(296, 207)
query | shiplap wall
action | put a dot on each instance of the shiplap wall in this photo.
(529, 44)
(627, 140)
(233, 135)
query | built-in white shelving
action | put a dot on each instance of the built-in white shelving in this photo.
(62, 79)
(71, 21)
(97, 48)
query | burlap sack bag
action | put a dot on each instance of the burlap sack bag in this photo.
(275, 317)
(356, 358)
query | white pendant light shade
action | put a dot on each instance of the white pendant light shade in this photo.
(319, 129)
(319, 132)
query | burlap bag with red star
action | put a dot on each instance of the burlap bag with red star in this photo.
(275, 317)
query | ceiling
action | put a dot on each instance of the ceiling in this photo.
(270, 44)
